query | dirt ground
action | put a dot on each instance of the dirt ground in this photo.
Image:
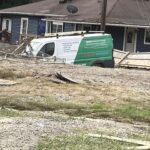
(36, 82)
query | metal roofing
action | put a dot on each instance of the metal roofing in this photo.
(127, 12)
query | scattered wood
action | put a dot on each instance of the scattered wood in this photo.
(138, 148)
(7, 82)
(65, 78)
(57, 81)
(132, 60)
(141, 145)
(123, 58)
(18, 48)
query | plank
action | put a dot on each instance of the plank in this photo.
(142, 144)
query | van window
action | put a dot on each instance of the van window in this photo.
(47, 50)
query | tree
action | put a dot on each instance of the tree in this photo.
(12, 3)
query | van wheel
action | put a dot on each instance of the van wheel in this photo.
(98, 64)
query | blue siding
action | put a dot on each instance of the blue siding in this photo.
(41, 27)
(33, 25)
(141, 47)
(16, 23)
(118, 36)
(15, 31)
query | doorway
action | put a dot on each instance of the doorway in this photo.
(130, 40)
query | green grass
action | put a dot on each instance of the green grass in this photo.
(81, 143)
(126, 112)
(134, 112)
(9, 113)
(22, 102)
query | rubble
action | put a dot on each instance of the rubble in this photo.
(7, 82)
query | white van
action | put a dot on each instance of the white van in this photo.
(88, 49)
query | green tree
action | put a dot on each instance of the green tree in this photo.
(12, 3)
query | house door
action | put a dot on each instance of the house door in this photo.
(130, 41)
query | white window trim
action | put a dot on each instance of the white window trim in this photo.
(46, 30)
(148, 43)
(124, 41)
(4, 24)
(22, 19)
(58, 23)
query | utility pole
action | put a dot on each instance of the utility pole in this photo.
(103, 15)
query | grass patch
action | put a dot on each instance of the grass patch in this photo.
(9, 113)
(134, 112)
(11, 74)
(126, 113)
(45, 104)
(81, 143)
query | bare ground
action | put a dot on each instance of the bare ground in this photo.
(37, 85)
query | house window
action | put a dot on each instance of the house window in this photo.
(57, 27)
(6, 24)
(48, 26)
(87, 27)
(147, 36)
(24, 26)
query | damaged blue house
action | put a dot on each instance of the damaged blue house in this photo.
(127, 20)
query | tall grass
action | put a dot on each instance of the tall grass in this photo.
(10, 74)
(127, 112)
(81, 143)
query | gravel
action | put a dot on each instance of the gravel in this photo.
(24, 133)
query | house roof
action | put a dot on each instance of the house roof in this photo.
(130, 12)
(87, 11)
(124, 12)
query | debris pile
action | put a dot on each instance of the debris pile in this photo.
(132, 60)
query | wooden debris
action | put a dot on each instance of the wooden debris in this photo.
(65, 78)
(7, 82)
(5, 35)
(132, 60)
(18, 48)
(118, 55)
(141, 145)
(57, 81)
(123, 58)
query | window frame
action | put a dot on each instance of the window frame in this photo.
(50, 27)
(145, 33)
(21, 27)
(4, 21)
(57, 23)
